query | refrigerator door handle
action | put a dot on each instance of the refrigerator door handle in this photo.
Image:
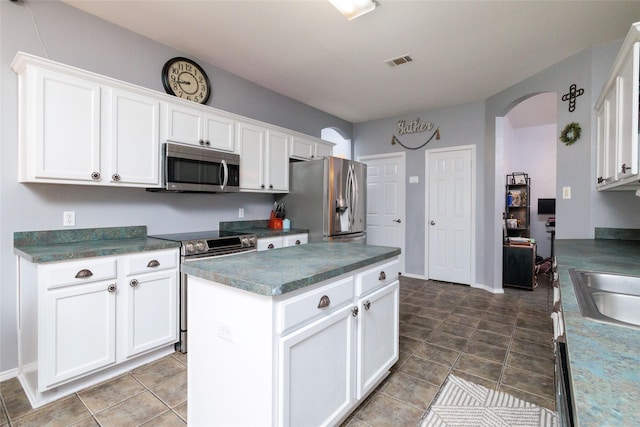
(354, 180)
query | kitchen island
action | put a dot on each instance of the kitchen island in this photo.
(604, 359)
(295, 336)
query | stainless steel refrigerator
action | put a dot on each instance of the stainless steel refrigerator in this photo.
(329, 198)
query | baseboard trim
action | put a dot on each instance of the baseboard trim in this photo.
(488, 289)
(7, 375)
(415, 276)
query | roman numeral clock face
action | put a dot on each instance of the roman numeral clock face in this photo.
(185, 79)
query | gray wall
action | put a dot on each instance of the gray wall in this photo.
(475, 124)
(75, 38)
(459, 125)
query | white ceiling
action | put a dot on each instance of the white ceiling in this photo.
(463, 51)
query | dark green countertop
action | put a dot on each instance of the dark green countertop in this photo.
(273, 273)
(604, 359)
(60, 245)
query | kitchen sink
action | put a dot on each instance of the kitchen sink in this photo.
(607, 297)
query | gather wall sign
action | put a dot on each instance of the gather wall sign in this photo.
(415, 126)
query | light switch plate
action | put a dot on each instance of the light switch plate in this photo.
(566, 192)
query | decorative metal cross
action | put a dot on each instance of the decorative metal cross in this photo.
(571, 96)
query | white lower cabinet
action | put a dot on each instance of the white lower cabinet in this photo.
(80, 318)
(309, 357)
(78, 332)
(317, 363)
(378, 334)
(151, 296)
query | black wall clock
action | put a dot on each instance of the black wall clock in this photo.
(185, 79)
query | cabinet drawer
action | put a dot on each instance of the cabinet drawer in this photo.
(269, 243)
(295, 239)
(307, 306)
(75, 272)
(376, 277)
(147, 262)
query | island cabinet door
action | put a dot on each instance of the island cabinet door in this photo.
(316, 371)
(378, 335)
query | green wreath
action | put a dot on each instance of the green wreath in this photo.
(571, 133)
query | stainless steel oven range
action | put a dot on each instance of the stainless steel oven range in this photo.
(202, 245)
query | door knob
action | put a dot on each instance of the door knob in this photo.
(397, 220)
(432, 222)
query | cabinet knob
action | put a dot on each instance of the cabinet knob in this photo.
(153, 263)
(262, 186)
(201, 142)
(432, 222)
(112, 288)
(270, 246)
(298, 242)
(382, 276)
(84, 274)
(271, 186)
(625, 168)
(95, 176)
(115, 177)
(133, 283)
(367, 305)
(207, 143)
(354, 311)
(324, 302)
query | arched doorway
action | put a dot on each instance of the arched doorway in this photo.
(526, 141)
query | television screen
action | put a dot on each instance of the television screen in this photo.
(546, 206)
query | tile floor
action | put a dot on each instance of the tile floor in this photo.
(499, 341)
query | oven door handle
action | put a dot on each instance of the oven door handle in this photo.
(225, 174)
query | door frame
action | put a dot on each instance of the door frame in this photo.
(402, 173)
(428, 153)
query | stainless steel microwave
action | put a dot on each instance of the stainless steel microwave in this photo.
(194, 169)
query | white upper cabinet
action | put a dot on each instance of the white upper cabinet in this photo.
(75, 130)
(79, 127)
(59, 128)
(131, 128)
(617, 120)
(264, 158)
(306, 148)
(197, 126)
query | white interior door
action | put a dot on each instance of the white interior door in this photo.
(449, 224)
(386, 201)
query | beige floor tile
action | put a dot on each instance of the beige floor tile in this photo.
(181, 410)
(110, 393)
(158, 372)
(63, 412)
(531, 383)
(87, 422)
(438, 354)
(17, 405)
(426, 370)
(167, 419)
(133, 411)
(410, 390)
(10, 387)
(479, 367)
(385, 411)
(173, 391)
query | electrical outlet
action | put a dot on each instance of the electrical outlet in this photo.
(566, 192)
(68, 219)
(241, 213)
(225, 331)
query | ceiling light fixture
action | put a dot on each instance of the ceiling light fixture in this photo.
(352, 9)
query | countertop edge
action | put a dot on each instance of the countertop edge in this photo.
(288, 286)
(88, 249)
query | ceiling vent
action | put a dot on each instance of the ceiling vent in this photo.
(399, 60)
